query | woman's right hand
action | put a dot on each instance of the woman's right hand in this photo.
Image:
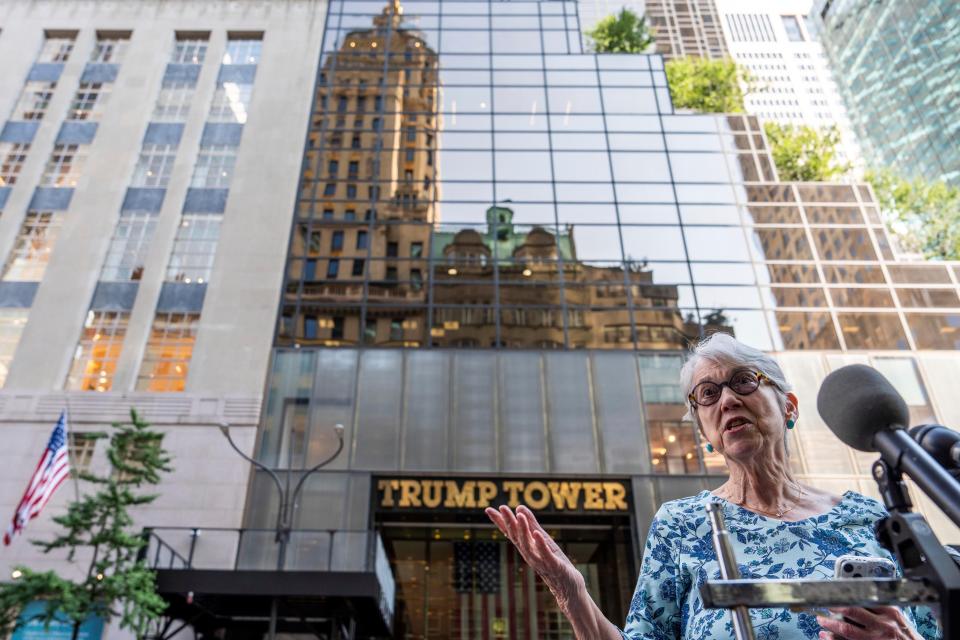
(540, 551)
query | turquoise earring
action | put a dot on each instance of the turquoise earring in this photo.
(709, 448)
(791, 423)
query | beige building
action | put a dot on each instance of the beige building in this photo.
(150, 155)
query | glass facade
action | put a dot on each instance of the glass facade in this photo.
(500, 249)
(471, 180)
(896, 63)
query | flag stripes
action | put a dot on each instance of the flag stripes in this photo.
(51, 471)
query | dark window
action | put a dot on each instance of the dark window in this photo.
(416, 279)
(353, 169)
(408, 175)
(337, 331)
(378, 104)
(355, 142)
(349, 214)
(373, 192)
(410, 155)
(310, 270)
(411, 134)
(361, 104)
(330, 189)
(392, 249)
(333, 266)
(391, 274)
(370, 330)
(429, 158)
(332, 168)
(357, 267)
(351, 191)
(375, 124)
(342, 104)
(396, 329)
(336, 241)
(416, 249)
(361, 239)
(310, 327)
(429, 140)
(328, 214)
(370, 214)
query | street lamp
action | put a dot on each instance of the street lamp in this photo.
(287, 500)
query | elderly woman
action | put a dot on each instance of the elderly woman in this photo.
(781, 528)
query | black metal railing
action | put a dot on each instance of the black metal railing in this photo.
(259, 549)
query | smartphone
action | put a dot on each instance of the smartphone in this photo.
(864, 567)
(870, 567)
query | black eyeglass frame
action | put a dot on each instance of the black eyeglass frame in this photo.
(761, 376)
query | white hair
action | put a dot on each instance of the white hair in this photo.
(727, 351)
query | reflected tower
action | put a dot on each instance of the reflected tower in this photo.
(368, 192)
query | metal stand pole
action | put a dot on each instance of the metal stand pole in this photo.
(272, 631)
(742, 626)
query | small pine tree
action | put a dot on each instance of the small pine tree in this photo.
(116, 584)
(625, 32)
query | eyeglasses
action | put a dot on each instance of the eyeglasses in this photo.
(743, 383)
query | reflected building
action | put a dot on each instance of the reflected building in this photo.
(686, 28)
(368, 192)
(485, 259)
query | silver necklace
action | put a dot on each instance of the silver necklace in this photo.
(780, 512)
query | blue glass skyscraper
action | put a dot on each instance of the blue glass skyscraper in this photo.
(896, 64)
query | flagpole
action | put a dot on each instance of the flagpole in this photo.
(74, 471)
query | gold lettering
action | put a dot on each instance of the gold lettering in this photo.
(592, 498)
(566, 495)
(487, 490)
(514, 489)
(459, 497)
(432, 493)
(536, 503)
(409, 493)
(388, 487)
(616, 494)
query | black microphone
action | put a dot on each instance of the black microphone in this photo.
(864, 410)
(941, 443)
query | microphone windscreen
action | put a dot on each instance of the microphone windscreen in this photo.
(856, 402)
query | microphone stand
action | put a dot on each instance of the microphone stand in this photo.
(908, 536)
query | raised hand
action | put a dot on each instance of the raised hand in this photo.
(540, 552)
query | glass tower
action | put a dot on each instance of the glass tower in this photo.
(501, 247)
(896, 63)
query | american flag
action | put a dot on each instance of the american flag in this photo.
(52, 470)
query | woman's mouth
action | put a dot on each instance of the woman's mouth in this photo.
(736, 425)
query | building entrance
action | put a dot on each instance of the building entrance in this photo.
(469, 583)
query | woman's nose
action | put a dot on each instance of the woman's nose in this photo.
(729, 398)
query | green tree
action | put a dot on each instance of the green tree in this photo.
(803, 153)
(924, 214)
(625, 32)
(707, 86)
(116, 584)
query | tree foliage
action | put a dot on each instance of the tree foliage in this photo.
(116, 584)
(625, 32)
(925, 214)
(707, 86)
(805, 154)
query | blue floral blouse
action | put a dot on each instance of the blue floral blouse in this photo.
(679, 557)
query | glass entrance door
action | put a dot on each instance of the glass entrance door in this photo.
(456, 583)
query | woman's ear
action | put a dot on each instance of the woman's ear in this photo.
(793, 405)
